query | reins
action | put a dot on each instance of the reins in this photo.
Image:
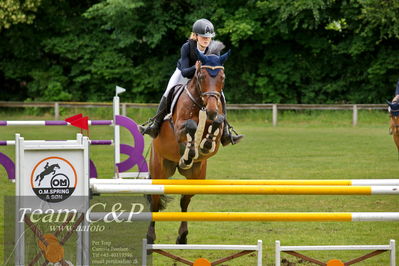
(201, 107)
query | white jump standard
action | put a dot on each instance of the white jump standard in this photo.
(377, 249)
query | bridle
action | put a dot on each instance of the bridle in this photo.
(215, 94)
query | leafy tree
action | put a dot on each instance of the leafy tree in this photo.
(321, 51)
(15, 11)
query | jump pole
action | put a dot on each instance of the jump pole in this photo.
(316, 182)
(245, 189)
(254, 216)
(91, 142)
(51, 123)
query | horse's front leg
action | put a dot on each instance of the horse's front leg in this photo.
(208, 144)
(190, 152)
(183, 229)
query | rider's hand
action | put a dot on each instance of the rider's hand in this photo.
(197, 64)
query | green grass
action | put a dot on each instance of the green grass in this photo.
(304, 145)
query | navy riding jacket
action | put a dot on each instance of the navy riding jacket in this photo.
(188, 57)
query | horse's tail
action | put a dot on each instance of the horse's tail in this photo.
(163, 202)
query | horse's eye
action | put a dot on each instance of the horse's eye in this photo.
(201, 77)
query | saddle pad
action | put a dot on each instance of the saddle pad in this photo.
(176, 92)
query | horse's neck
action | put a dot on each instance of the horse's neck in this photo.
(194, 93)
(193, 88)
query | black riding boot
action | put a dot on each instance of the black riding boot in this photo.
(227, 137)
(153, 128)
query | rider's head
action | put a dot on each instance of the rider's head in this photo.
(204, 28)
(203, 32)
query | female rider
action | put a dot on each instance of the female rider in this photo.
(201, 40)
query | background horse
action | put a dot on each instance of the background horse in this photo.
(191, 136)
(394, 122)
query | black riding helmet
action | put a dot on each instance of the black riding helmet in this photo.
(204, 28)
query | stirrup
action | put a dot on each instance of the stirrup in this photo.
(143, 127)
(151, 130)
(230, 138)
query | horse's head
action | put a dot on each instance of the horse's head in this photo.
(210, 81)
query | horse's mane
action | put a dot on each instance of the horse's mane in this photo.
(215, 47)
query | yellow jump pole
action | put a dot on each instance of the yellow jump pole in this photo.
(268, 190)
(276, 217)
(272, 182)
(244, 189)
(254, 182)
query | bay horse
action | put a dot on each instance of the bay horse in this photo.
(191, 135)
(394, 122)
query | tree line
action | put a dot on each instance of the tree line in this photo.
(319, 51)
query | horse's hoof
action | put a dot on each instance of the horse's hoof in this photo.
(182, 239)
(150, 240)
(193, 153)
(183, 165)
(208, 145)
(204, 152)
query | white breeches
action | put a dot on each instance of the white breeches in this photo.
(176, 78)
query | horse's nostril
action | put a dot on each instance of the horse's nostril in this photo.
(211, 114)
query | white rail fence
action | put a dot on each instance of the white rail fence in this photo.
(274, 107)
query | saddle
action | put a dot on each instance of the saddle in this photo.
(173, 97)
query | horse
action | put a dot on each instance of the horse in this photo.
(47, 170)
(191, 135)
(394, 122)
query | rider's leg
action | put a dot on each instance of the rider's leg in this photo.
(227, 137)
(153, 128)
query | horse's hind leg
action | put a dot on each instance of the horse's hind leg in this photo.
(155, 203)
(198, 171)
(160, 168)
(208, 144)
(183, 229)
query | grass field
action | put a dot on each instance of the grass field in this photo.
(305, 145)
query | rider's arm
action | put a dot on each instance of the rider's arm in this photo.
(184, 62)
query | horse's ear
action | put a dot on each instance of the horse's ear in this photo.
(224, 56)
(201, 57)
